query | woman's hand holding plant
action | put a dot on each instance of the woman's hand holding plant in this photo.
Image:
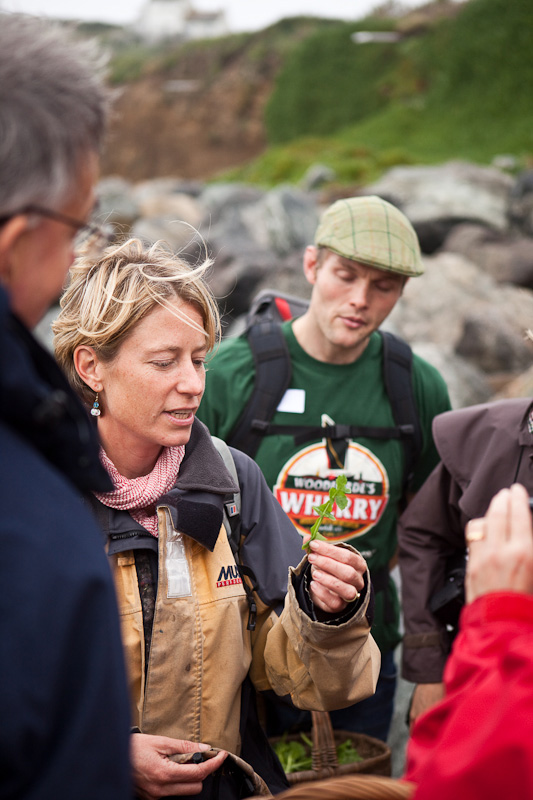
(337, 573)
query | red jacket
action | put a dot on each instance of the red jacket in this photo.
(478, 742)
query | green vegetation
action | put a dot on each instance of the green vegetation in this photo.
(457, 84)
(131, 60)
(295, 756)
(352, 163)
(461, 87)
(321, 89)
(337, 494)
(346, 753)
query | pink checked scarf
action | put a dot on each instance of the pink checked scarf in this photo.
(138, 495)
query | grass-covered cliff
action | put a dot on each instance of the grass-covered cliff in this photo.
(457, 84)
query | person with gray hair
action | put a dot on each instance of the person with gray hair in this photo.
(53, 109)
(65, 728)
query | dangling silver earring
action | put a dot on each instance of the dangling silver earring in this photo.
(95, 410)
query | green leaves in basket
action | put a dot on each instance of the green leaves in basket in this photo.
(347, 754)
(306, 739)
(293, 755)
(337, 494)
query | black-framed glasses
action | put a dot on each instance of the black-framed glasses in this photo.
(87, 232)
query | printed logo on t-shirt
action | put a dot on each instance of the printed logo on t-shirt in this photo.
(305, 481)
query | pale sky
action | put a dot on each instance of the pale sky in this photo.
(241, 15)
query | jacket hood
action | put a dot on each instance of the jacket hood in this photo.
(37, 402)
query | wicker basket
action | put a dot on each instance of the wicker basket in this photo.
(376, 754)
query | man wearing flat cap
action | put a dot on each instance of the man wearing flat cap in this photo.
(345, 395)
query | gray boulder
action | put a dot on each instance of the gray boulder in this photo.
(224, 224)
(174, 206)
(162, 187)
(467, 384)
(238, 280)
(456, 189)
(439, 307)
(493, 343)
(219, 199)
(279, 221)
(507, 257)
(520, 210)
(116, 203)
(179, 235)
(316, 176)
(284, 220)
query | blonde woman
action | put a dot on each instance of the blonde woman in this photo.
(133, 334)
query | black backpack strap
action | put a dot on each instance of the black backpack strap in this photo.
(232, 524)
(232, 506)
(397, 375)
(272, 378)
(307, 433)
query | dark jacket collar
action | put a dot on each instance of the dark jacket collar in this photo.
(37, 402)
(196, 502)
(206, 471)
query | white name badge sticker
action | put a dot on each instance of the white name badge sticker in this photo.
(293, 401)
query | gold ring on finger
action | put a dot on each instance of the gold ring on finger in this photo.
(475, 531)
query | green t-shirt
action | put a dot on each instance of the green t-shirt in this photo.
(300, 476)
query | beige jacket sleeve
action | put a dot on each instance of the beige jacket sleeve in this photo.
(323, 667)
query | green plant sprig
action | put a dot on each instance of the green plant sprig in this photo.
(337, 494)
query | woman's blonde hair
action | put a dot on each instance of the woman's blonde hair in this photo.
(106, 298)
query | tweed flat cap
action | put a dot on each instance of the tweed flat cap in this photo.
(372, 231)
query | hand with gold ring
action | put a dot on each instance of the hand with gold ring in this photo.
(501, 546)
(475, 530)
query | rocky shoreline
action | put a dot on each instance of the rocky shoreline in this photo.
(467, 315)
